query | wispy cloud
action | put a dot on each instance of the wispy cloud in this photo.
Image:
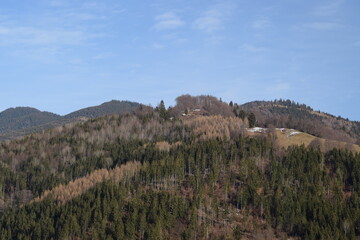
(175, 38)
(37, 36)
(76, 61)
(157, 46)
(56, 3)
(103, 7)
(85, 16)
(215, 40)
(328, 9)
(43, 54)
(4, 31)
(103, 55)
(66, 26)
(261, 23)
(209, 22)
(252, 48)
(168, 20)
(323, 25)
(213, 19)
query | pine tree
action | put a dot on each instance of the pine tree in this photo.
(252, 120)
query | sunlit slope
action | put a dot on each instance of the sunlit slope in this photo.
(284, 137)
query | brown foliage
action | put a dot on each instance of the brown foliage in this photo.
(216, 126)
(315, 123)
(209, 104)
(166, 146)
(56, 146)
(64, 193)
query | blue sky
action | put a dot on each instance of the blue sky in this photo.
(63, 55)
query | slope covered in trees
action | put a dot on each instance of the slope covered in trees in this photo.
(198, 178)
(14, 119)
(20, 121)
(288, 114)
(205, 105)
(108, 108)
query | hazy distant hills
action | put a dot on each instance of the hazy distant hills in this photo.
(19, 121)
(18, 118)
(112, 107)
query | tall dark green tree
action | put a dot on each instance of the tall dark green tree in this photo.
(162, 111)
(252, 120)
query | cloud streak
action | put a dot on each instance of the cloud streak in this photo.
(330, 8)
(261, 23)
(251, 48)
(37, 36)
(213, 19)
(168, 20)
(323, 25)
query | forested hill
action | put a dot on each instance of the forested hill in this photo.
(20, 121)
(288, 114)
(18, 118)
(154, 175)
(108, 108)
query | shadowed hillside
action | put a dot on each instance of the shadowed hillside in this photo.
(108, 108)
(20, 121)
(18, 118)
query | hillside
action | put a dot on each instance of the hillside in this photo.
(287, 114)
(283, 137)
(20, 121)
(14, 119)
(146, 176)
(108, 108)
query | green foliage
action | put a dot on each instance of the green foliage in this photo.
(195, 189)
(164, 114)
(252, 120)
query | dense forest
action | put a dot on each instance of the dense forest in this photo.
(156, 174)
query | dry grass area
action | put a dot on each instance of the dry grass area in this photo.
(284, 139)
(64, 193)
(205, 127)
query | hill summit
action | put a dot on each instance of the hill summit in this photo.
(19, 121)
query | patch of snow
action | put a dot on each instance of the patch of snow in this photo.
(257, 130)
(293, 133)
(281, 129)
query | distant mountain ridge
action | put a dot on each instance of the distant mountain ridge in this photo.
(18, 118)
(19, 121)
(112, 107)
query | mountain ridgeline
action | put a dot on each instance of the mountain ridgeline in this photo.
(288, 114)
(192, 171)
(14, 119)
(16, 122)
